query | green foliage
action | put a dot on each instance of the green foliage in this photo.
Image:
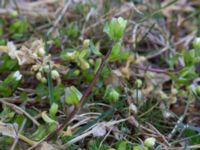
(188, 72)
(8, 64)
(194, 137)
(115, 28)
(39, 133)
(72, 30)
(18, 28)
(41, 90)
(7, 114)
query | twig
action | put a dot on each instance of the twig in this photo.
(16, 139)
(180, 120)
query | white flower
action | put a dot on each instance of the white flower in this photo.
(17, 75)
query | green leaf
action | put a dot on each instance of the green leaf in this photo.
(53, 109)
(47, 119)
(41, 90)
(94, 49)
(123, 145)
(72, 95)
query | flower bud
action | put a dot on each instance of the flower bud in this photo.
(72, 95)
(43, 80)
(196, 43)
(86, 43)
(138, 83)
(54, 74)
(111, 94)
(150, 142)
(71, 55)
(41, 52)
(39, 76)
(76, 72)
(45, 68)
(174, 91)
(84, 64)
(133, 108)
(114, 95)
(91, 61)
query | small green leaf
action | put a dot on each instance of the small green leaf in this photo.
(46, 118)
(111, 94)
(53, 110)
(72, 95)
(94, 49)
